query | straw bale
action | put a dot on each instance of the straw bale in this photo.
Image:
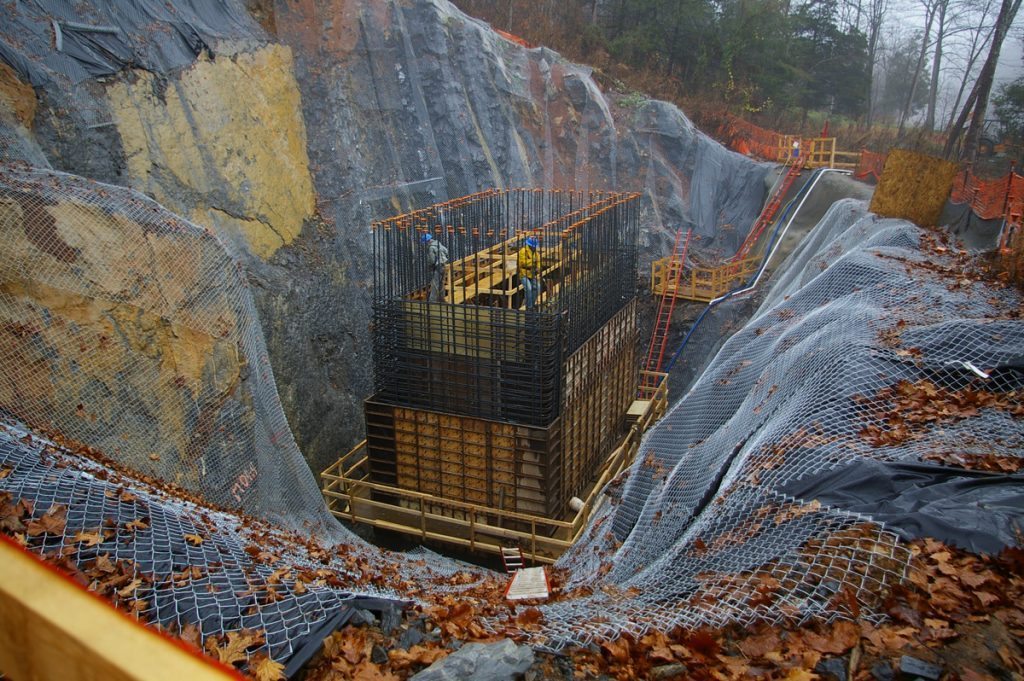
(913, 187)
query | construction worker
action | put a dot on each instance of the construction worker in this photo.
(529, 271)
(437, 258)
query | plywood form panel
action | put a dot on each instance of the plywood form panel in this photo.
(471, 460)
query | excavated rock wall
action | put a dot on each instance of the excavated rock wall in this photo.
(288, 144)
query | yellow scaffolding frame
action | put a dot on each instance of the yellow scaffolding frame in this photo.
(349, 495)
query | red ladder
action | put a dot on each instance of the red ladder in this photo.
(770, 209)
(659, 337)
(513, 558)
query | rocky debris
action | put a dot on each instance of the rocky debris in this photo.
(912, 666)
(501, 661)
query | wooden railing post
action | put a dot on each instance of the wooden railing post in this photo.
(533, 539)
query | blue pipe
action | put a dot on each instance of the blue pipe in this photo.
(764, 263)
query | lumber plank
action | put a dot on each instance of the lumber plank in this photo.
(51, 628)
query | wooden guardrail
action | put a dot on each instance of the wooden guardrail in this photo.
(352, 496)
(702, 284)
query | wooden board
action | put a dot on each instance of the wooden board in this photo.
(600, 383)
(51, 628)
(462, 330)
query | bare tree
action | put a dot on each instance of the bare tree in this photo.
(876, 12)
(930, 7)
(941, 6)
(978, 99)
(978, 32)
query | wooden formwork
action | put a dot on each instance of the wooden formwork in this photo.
(352, 494)
(600, 381)
(512, 466)
(462, 331)
(501, 465)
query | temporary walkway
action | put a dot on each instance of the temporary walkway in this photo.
(669, 276)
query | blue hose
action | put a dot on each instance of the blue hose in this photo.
(764, 263)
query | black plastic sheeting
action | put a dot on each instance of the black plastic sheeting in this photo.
(78, 40)
(975, 510)
(973, 231)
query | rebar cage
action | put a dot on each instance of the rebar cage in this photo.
(478, 351)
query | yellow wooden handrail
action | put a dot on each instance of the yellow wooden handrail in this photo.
(542, 548)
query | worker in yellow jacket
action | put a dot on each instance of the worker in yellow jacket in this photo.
(529, 271)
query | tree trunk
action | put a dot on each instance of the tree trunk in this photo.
(908, 102)
(874, 28)
(975, 53)
(929, 119)
(1007, 12)
(957, 127)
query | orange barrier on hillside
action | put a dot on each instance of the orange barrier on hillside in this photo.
(514, 38)
(870, 163)
(747, 138)
(991, 199)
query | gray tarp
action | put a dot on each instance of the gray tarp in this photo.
(976, 510)
(86, 40)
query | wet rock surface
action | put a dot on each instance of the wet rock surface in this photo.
(288, 145)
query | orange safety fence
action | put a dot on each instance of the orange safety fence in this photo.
(869, 163)
(747, 138)
(991, 199)
(514, 38)
(988, 199)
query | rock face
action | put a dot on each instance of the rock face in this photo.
(500, 661)
(287, 147)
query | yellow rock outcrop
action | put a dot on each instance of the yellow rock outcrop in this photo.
(17, 97)
(117, 329)
(231, 131)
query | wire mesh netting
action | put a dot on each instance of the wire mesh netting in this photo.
(862, 321)
(129, 341)
(132, 331)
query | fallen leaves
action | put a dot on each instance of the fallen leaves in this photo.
(193, 539)
(903, 412)
(232, 648)
(89, 538)
(836, 640)
(417, 655)
(262, 668)
(52, 522)
(137, 524)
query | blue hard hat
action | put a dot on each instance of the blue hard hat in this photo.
(531, 241)
(426, 237)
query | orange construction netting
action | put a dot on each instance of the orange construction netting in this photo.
(747, 138)
(869, 163)
(989, 199)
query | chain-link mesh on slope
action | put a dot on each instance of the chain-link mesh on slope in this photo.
(700, 530)
(130, 330)
(169, 561)
(129, 339)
